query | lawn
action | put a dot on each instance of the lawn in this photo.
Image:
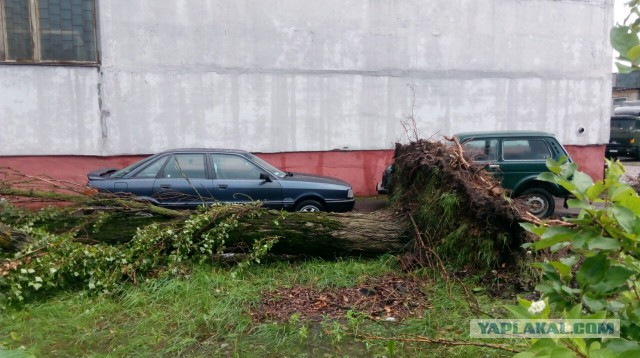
(213, 310)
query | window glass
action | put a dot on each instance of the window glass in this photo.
(275, 171)
(234, 167)
(67, 30)
(18, 29)
(481, 149)
(151, 171)
(525, 149)
(185, 166)
(622, 123)
(63, 30)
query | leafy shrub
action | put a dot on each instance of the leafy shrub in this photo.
(597, 270)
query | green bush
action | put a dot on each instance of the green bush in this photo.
(597, 268)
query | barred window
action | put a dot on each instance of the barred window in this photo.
(48, 31)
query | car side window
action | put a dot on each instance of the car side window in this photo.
(151, 170)
(185, 166)
(234, 167)
(525, 149)
(482, 150)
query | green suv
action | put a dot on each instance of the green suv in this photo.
(516, 158)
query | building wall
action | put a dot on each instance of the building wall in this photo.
(293, 76)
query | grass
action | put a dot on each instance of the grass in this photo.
(207, 313)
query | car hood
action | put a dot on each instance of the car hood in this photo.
(100, 174)
(311, 178)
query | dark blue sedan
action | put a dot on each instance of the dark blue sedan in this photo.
(187, 178)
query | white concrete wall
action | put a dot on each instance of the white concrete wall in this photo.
(49, 110)
(294, 75)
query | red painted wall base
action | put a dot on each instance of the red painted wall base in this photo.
(362, 169)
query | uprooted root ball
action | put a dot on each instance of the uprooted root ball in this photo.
(459, 210)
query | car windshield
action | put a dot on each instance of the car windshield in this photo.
(622, 123)
(273, 170)
(122, 172)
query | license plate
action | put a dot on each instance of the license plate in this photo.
(613, 151)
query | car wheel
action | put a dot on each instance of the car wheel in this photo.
(309, 206)
(539, 202)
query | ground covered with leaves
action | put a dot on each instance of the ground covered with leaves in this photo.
(389, 298)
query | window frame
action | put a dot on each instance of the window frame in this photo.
(233, 155)
(34, 22)
(488, 139)
(162, 174)
(528, 140)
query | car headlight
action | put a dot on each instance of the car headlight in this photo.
(349, 194)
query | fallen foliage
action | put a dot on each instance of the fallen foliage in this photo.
(390, 298)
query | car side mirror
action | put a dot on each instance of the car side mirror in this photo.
(265, 177)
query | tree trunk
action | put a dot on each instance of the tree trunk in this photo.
(314, 234)
(326, 234)
(13, 240)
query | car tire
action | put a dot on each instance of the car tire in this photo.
(539, 202)
(309, 206)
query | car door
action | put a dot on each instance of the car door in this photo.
(522, 159)
(141, 181)
(238, 180)
(484, 151)
(183, 181)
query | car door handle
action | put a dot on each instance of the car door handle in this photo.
(223, 186)
(165, 186)
(494, 166)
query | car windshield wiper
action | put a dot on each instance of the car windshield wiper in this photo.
(289, 174)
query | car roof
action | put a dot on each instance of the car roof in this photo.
(628, 110)
(503, 134)
(205, 150)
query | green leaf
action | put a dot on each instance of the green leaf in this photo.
(567, 168)
(621, 345)
(615, 306)
(525, 355)
(570, 260)
(593, 303)
(623, 38)
(592, 270)
(634, 53)
(578, 204)
(603, 243)
(615, 277)
(554, 235)
(546, 176)
(620, 192)
(625, 217)
(596, 189)
(575, 312)
(562, 269)
(519, 311)
(582, 182)
(622, 68)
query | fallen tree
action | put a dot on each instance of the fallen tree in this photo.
(442, 207)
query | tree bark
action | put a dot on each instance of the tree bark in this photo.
(313, 234)
(326, 234)
(13, 240)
